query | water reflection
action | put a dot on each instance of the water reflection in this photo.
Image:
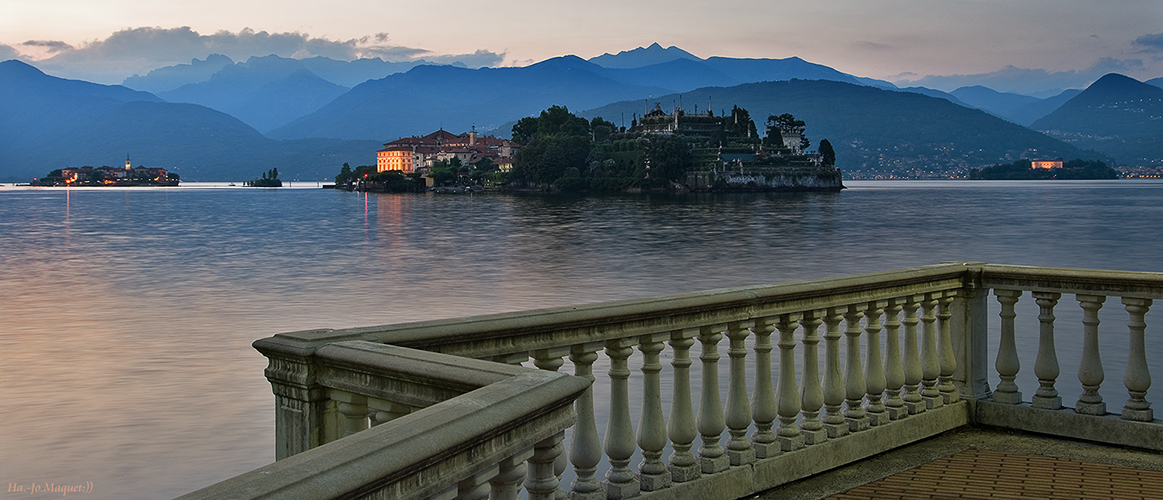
(128, 314)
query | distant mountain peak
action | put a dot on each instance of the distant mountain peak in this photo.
(642, 56)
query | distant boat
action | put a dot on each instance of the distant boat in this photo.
(231, 184)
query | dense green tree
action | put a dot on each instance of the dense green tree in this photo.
(669, 157)
(345, 176)
(827, 154)
(601, 129)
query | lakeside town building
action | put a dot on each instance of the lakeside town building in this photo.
(111, 176)
(419, 154)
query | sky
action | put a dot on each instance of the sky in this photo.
(1027, 46)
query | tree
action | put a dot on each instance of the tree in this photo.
(345, 176)
(827, 154)
(669, 157)
(601, 129)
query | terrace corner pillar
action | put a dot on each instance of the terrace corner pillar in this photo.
(969, 327)
(300, 403)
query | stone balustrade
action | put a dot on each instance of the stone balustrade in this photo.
(914, 345)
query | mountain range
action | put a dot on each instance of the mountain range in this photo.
(220, 119)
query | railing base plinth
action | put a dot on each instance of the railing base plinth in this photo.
(598, 494)
(684, 473)
(654, 482)
(767, 450)
(1009, 398)
(1045, 403)
(858, 424)
(878, 418)
(713, 465)
(951, 397)
(620, 491)
(1090, 408)
(897, 412)
(915, 407)
(791, 443)
(742, 457)
(836, 430)
(933, 402)
(1139, 415)
(814, 437)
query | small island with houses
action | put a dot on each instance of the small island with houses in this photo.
(109, 176)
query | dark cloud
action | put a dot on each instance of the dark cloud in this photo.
(1150, 43)
(1036, 82)
(139, 50)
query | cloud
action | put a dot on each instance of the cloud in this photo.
(1035, 82)
(1150, 43)
(139, 50)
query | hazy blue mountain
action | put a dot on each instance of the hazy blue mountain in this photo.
(873, 128)
(430, 97)
(265, 92)
(172, 77)
(678, 75)
(352, 73)
(1117, 115)
(1001, 104)
(766, 70)
(1158, 82)
(648, 56)
(1030, 113)
(48, 123)
(935, 93)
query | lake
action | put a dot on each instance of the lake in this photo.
(126, 315)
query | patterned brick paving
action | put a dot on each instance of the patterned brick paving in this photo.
(981, 474)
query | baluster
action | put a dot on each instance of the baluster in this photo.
(1090, 370)
(948, 362)
(875, 380)
(854, 386)
(812, 394)
(1138, 377)
(1046, 366)
(506, 485)
(738, 406)
(711, 419)
(1007, 363)
(620, 480)
(682, 428)
(764, 407)
(383, 411)
(652, 473)
(930, 365)
(913, 372)
(834, 422)
(477, 486)
(789, 396)
(585, 446)
(551, 360)
(353, 407)
(895, 372)
(541, 481)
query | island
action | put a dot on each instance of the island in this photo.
(109, 176)
(269, 178)
(1027, 169)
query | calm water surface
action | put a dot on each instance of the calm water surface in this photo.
(126, 316)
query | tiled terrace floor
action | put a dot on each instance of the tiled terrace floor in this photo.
(982, 464)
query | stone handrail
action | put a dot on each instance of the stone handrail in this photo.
(914, 345)
(482, 422)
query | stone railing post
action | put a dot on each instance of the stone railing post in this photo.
(854, 387)
(812, 393)
(621, 482)
(914, 403)
(874, 378)
(353, 408)
(1046, 365)
(585, 447)
(789, 396)
(894, 376)
(930, 362)
(552, 360)
(652, 472)
(1008, 363)
(1090, 369)
(1137, 377)
(969, 331)
(682, 428)
(738, 417)
(833, 419)
(946, 359)
(764, 408)
(541, 481)
(301, 405)
(711, 419)
(506, 485)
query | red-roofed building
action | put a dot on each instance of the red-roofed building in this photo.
(418, 154)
